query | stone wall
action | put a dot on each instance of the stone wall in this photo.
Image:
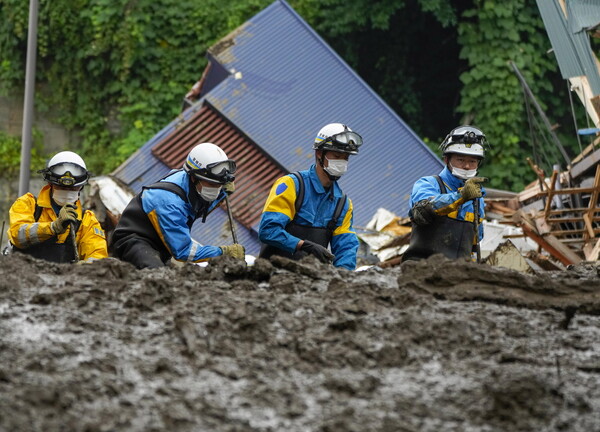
(55, 139)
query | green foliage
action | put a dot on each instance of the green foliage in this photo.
(405, 50)
(10, 155)
(492, 34)
(115, 70)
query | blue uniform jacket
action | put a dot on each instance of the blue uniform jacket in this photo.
(316, 210)
(169, 215)
(449, 204)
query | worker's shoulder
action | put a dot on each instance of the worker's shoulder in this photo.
(27, 200)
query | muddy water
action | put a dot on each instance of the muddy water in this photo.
(288, 346)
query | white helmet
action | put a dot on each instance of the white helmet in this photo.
(66, 169)
(338, 137)
(465, 140)
(209, 162)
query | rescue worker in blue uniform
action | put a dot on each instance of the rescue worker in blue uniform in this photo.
(155, 226)
(306, 212)
(54, 226)
(444, 207)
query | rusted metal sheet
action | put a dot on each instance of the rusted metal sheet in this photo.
(256, 172)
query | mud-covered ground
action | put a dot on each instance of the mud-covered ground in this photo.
(285, 346)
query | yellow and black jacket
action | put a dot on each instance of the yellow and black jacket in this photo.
(30, 230)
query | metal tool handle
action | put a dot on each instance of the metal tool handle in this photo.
(2, 236)
(476, 221)
(72, 234)
(231, 223)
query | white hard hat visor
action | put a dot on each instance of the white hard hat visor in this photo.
(346, 141)
(219, 172)
(66, 174)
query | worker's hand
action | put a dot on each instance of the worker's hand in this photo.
(317, 250)
(472, 188)
(229, 188)
(422, 212)
(235, 250)
(67, 215)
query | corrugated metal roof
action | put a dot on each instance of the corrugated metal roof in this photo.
(571, 46)
(286, 83)
(143, 168)
(583, 14)
(254, 169)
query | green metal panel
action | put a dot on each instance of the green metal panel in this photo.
(572, 49)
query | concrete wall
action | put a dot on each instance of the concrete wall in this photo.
(55, 139)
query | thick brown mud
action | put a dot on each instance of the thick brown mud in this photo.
(286, 346)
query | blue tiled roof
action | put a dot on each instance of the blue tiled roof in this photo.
(142, 169)
(286, 83)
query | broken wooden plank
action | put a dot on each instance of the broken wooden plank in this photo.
(587, 217)
(552, 245)
(591, 250)
(550, 193)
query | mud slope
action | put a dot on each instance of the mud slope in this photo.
(285, 346)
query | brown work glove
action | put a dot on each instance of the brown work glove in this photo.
(472, 188)
(67, 215)
(229, 188)
(235, 250)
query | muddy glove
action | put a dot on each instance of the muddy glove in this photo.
(235, 250)
(66, 216)
(317, 250)
(422, 212)
(229, 188)
(472, 188)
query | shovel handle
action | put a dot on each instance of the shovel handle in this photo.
(476, 220)
(231, 223)
(72, 237)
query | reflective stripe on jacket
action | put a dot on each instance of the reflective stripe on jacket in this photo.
(316, 210)
(24, 232)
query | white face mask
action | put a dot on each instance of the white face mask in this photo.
(210, 193)
(336, 167)
(463, 173)
(65, 196)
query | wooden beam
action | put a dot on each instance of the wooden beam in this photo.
(550, 193)
(572, 219)
(587, 217)
(573, 210)
(561, 233)
(591, 251)
(552, 245)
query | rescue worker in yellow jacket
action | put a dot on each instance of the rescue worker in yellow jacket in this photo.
(42, 226)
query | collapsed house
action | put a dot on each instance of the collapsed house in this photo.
(269, 86)
(560, 209)
(273, 82)
(555, 221)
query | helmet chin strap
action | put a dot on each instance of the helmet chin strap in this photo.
(322, 163)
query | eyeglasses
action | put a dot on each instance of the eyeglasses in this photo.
(347, 140)
(220, 172)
